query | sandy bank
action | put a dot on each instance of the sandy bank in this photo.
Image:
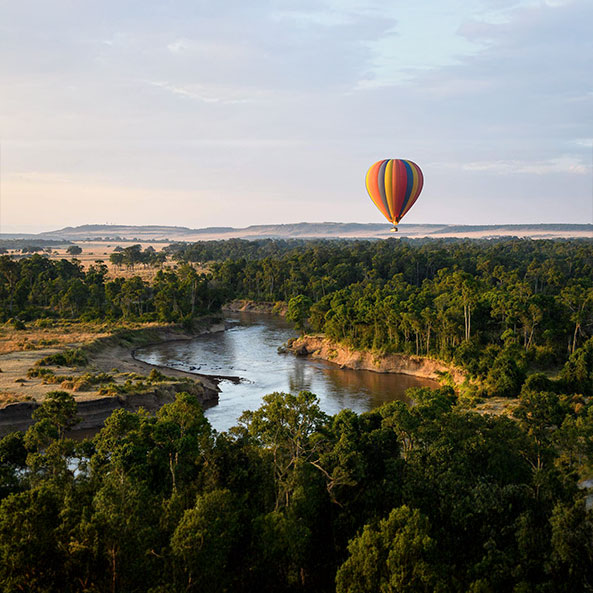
(114, 355)
(240, 306)
(318, 346)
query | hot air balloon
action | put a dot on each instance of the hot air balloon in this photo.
(394, 185)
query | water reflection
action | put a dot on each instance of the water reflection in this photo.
(249, 349)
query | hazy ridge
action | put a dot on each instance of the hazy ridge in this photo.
(304, 230)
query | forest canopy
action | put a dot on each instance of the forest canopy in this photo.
(428, 497)
(423, 498)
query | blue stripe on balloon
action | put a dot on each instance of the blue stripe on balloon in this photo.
(409, 186)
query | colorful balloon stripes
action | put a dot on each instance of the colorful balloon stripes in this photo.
(394, 185)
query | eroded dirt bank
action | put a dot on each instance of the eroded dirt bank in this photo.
(318, 346)
(112, 355)
(241, 305)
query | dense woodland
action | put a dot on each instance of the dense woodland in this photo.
(401, 499)
(38, 288)
(432, 497)
(499, 309)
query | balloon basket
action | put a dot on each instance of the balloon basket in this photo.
(393, 230)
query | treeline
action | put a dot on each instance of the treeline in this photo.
(134, 254)
(416, 499)
(495, 308)
(210, 251)
(37, 287)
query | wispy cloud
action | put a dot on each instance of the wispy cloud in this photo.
(558, 165)
(207, 93)
(281, 107)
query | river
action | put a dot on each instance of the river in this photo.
(249, 349)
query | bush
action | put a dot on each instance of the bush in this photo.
(539, 382)
(44, 322)
(156, 376)
(67, 358)
(41, 373)
(505, 376)
(81, 385)
(18, 324)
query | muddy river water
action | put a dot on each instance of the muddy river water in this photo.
(249, 349)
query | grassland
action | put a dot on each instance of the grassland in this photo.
(30, 364)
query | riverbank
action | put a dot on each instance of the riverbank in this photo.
(112, 377)
(318, 346)
(269, 308)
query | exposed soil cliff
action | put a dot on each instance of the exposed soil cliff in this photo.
(318, 346)
(114, 355)
(238, 306)
(94, 410)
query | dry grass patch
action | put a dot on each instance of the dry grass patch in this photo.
(7, 397)
(40, 338)
(498, 406)
(94, 251)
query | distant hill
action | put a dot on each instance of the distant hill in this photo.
(304, 230)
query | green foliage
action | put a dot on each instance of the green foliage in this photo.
(36, 372)
(37, 288)
(505, 376)
(18, 324)
(395, 557)
(577, 373)
(539, 382)
(298, 311)
(460, 301)
(59, 408)
(67, 358)
(205, 538)
(428, 497)
(155, 376)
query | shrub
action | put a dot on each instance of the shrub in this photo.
(40, 373)
(505, 376)
(156, 376)
(70, 358)
(18, 324)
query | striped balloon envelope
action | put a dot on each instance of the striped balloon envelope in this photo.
(394, 185)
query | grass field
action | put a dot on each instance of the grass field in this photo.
(99, 251)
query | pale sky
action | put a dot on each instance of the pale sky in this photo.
(235, 112)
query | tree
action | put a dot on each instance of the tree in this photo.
(577, 373)
(117, 258)
(396, 556)
(298, 311)
(204, 541)
(178, 434)
(49, 450)
(572, 546)
(31, 557)
(505, 376)
(286, 425)
(59, 408)
(74, 250)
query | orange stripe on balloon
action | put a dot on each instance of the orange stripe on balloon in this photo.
(372, 184)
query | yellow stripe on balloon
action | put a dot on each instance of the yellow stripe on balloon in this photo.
(389, 187)
(416, 178)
